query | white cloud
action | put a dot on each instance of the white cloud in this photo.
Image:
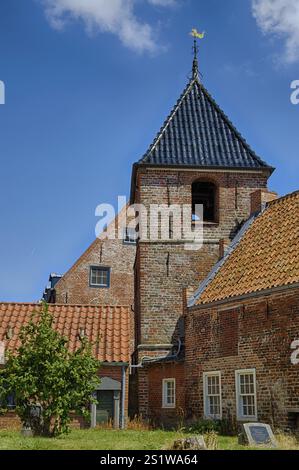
(113, 16)
(281, 18)
(162, 3)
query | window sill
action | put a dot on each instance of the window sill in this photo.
(205, 224)
(98, 287)
(247, 419)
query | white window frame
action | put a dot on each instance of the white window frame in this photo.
(206, 396)
(240, 416)
(164, 393)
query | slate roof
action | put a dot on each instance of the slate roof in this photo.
(265, 256)
(109, 325)
(197, 133)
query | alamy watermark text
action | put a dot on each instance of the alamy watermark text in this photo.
(295, 93)
(2, 92)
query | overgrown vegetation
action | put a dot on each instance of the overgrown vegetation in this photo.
(46, 379)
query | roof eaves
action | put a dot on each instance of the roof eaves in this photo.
(247, 295)
(259, 169)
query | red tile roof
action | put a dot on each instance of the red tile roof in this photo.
(267, 255)
(109, 325)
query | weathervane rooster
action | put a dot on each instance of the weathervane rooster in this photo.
(196, 34)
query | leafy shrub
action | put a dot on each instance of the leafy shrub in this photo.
(224, 427)
(46, 379)
(205, 426)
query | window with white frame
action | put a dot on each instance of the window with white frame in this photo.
(212, 395)
(168, 393)
(246, 394)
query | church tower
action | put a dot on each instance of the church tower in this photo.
(198, 157)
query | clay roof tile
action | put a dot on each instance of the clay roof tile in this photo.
(109, 325)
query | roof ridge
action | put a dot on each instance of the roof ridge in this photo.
(37, 304)
(20, 303)
(282, 198)
(231, 125)
(218, 266)
(168, 120)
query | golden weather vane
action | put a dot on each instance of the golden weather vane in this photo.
(196, 35)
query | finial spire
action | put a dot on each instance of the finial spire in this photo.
(195, 69)
(196, 35)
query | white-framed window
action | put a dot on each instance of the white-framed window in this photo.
(212, 395)
(246, 394)
(168, 393)
(130, 236)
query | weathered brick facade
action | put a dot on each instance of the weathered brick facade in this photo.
(164, 269)
(159, 414)
(254, 333)
(74, 287)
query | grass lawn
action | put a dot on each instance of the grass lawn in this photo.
(101, 439)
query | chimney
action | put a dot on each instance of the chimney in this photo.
(223, 245)
(187, 294)
(260, 198)
(54, 278)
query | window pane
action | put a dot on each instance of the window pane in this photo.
(130, 235)
(214, 406)
(169, 393)
(247, 394)
(99, 277)
(213, 395)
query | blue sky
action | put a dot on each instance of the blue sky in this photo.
(88, 85)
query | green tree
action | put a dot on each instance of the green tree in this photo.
(47, 380)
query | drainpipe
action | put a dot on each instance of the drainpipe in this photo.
(93, 413)
(123, 396)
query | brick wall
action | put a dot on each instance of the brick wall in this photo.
(165, 269)
(152, 378)
(265, 327)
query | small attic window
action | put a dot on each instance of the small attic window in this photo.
(99, 277)
(204, 193)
